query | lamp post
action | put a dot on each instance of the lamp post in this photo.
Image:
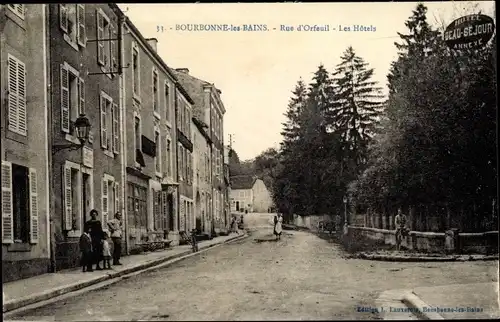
(345, 215)
(82, 128)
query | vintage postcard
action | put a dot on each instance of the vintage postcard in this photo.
(249, 161)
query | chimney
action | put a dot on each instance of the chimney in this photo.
(183, 70)
(153, 42)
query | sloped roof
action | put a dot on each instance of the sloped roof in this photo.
(242, 182)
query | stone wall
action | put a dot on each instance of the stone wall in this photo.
(309, 222)
(431, 242)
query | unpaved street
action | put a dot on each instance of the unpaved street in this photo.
(299, 277)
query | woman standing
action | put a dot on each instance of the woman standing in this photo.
(97, 235)
(278, 226)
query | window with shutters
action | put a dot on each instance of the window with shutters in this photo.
(72, 97)
(16, 96)
(168, 157)
(135, 70)
(115, 121)
(72, 24)
(109, 198)
(190, 167)
(155, 92)
(109, 124)
(167, 102)
(179, 113)
(180, 160)
(137, 137)
(137, 205)
(19, 204)
(106, 46)
(72, 198)
(158, 153)
(18, 9)
(158, 212)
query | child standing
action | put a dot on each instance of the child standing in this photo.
(86, 249)
(106, 252)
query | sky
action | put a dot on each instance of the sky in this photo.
(257, 71)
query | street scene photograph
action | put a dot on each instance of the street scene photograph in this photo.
(249, 161)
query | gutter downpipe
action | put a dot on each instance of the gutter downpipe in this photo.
(123, 132)
(178, 210)
(53, 262)
(48, 108)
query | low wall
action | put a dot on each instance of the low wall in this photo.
(431, 242)
(310, 222)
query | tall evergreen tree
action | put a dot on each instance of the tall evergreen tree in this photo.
(291, 126)
(356, 108)
(314, 145)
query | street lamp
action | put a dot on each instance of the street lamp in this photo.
(345, 215)
(82, 128)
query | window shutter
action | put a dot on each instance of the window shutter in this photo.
(68, 202)
(117, 197)
(64, 99)
(112, 49)
(33, 207)
(100, 35)
(116, 129)
(21, 98)
(63, 17)
(80, 13)
(105, 203)
(13, 94)
(104, 138)
(7, 211)
(81, 87)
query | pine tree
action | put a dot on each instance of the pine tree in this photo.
(291, 126)
(356, 108)
(288, 174)
(314, 144)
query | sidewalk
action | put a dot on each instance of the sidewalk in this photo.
(39, 288)
(401, 256)
(478, 301)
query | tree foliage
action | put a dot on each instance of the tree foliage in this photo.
(431, 142)
(438, 146)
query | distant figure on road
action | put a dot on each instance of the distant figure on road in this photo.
(240, 226)
(400, 223)
(338, 222)
(233, 225)
(278, 221)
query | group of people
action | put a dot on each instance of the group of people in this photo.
(234, 224)
(95, 245)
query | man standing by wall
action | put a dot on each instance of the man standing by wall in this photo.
(115, 228)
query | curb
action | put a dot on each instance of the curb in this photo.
(137, 269)
(414, 302)
(422, 259)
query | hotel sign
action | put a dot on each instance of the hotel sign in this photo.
(469, 32)
(88, 157)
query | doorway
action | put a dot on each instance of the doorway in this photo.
(86, 197)
(170, 209)
(237, 206)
